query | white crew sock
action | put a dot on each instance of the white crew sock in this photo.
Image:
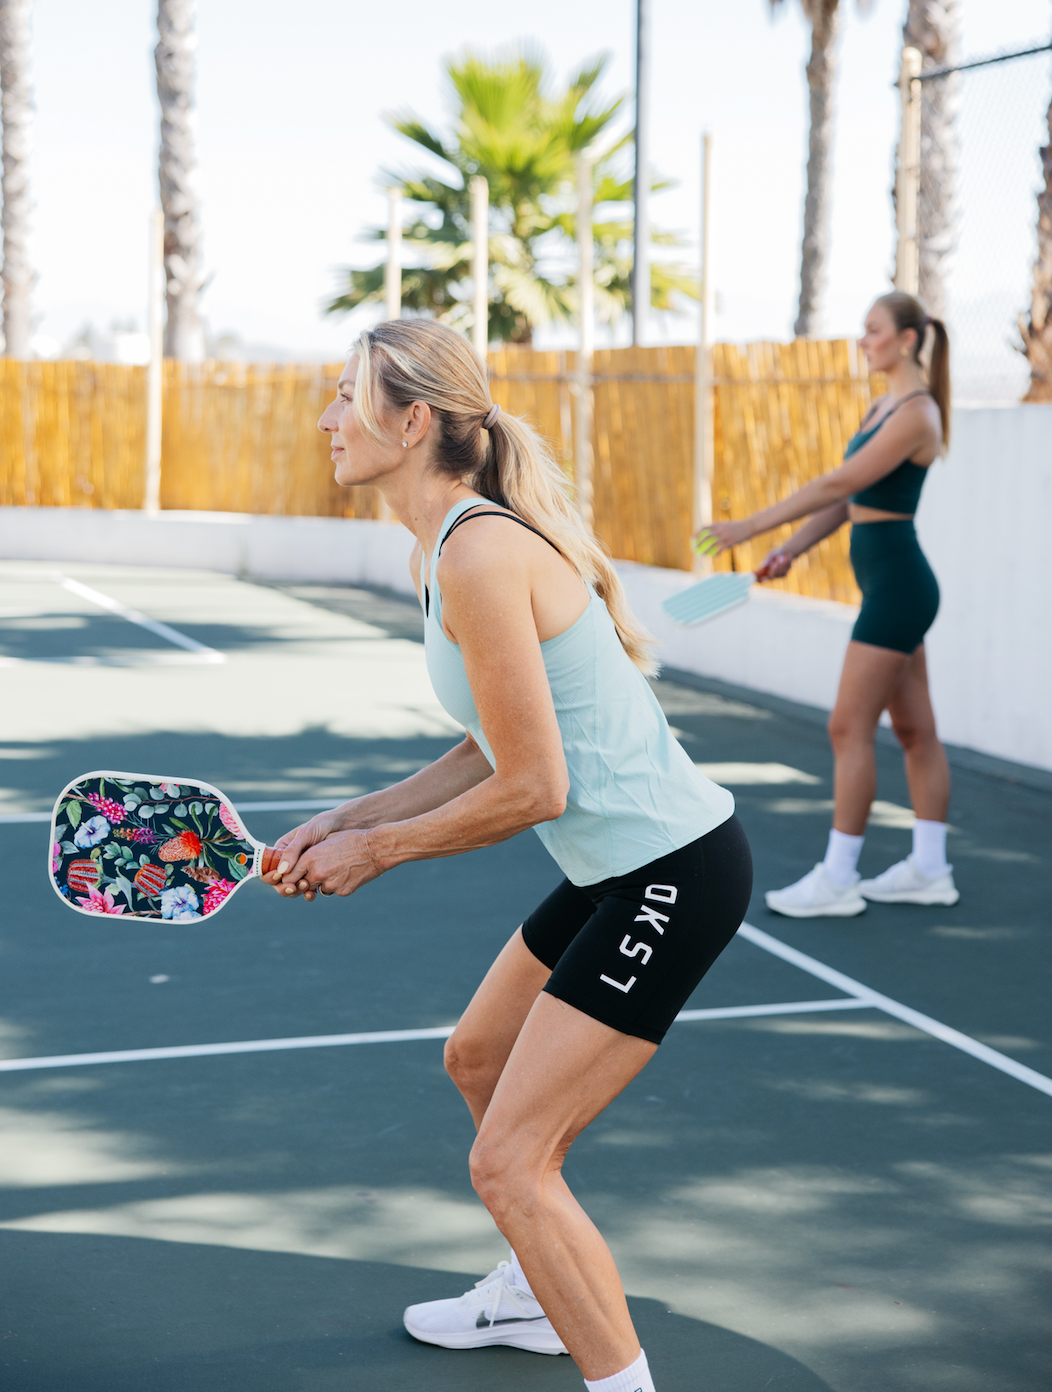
(634, 1379)
(842, 856)
(518, 1277)
(929, 848)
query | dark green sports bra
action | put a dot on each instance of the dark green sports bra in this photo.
(898, 491)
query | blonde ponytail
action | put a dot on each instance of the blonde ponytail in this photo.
(409, 360)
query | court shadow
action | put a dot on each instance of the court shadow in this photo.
(108, 1314)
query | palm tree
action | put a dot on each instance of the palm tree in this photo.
(824, 18)
(177, 170)
(16, 101)
(932, 27)
(1037, 328)
(524, 141)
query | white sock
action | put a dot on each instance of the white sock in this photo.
(634, 1379)
(518, 1277)
(842, 856)
(929, 848)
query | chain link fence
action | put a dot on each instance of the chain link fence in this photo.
(998, 111)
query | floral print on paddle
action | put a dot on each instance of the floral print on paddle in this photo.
(125, 845)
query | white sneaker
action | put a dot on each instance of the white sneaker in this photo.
(816, 896)
(903, 883)
(493, 1312)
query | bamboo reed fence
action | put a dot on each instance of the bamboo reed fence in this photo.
(244, 438)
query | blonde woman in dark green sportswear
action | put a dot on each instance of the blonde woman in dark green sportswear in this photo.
(877, 489)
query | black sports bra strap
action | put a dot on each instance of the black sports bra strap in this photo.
(493, 512)
(923, 391)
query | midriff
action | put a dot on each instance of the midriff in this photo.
(867, 514)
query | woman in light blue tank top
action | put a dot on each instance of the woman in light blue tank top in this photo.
(877, 489)
(530, 647)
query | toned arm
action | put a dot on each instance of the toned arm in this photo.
(911, 433)
(489, 583)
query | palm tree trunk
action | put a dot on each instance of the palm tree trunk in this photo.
(16, 100)
(1037, 333)
(821, 72)
(932, 27)
(174, 56)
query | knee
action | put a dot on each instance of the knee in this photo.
(842, 730)
(910, 733)
(469, 1062)
(504, 1182)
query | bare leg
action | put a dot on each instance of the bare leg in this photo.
(868, 681)
(478, 1048)
(913, 721)
(564, 1070)
(534, 1072)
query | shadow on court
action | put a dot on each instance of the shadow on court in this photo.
(115, 1315)
(835, 1189)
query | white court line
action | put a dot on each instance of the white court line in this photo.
(859, 997)
(303, 805)
(329, 1041)
(953, 1037)
(170, 635)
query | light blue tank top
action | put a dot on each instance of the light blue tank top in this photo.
(634, 793)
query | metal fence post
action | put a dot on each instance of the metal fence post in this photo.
(151, 501)
(641, 185)
(907, 178)
(704, 404)
(480, 264)
(393, 270)
(582, 448)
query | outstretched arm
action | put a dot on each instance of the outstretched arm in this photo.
(910, 431)
(778, 562)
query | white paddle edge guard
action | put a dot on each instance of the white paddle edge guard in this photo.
(154, 781)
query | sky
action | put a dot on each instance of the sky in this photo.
(292, 140)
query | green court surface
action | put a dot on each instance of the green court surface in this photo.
(817, 1197)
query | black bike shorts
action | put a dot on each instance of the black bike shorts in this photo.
(630, 950)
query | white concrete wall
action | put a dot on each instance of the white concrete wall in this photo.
(779, 643)
(344, 550)
(985, 522)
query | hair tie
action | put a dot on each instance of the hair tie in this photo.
(490, 418)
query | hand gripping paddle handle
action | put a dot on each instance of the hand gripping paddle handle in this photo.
(270, 861)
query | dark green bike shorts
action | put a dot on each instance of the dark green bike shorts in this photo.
(900, 594)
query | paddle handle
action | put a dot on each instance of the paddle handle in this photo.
(271, 860)
(763, 572)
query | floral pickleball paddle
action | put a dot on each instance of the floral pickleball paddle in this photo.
(150, 848)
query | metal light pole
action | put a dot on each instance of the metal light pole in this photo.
(582, 443)
(704, 443)
(641, 188)
(16, 103)
(907, 178)
(155, 369)
(393, 269)
(480, 264)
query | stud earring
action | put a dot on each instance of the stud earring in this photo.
(405, 444)
(905, 353)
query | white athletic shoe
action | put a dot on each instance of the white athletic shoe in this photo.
(816, 896)
(492, 1312)
(903, 883)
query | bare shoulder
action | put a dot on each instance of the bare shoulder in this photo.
(490, 544)
(922, 413)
